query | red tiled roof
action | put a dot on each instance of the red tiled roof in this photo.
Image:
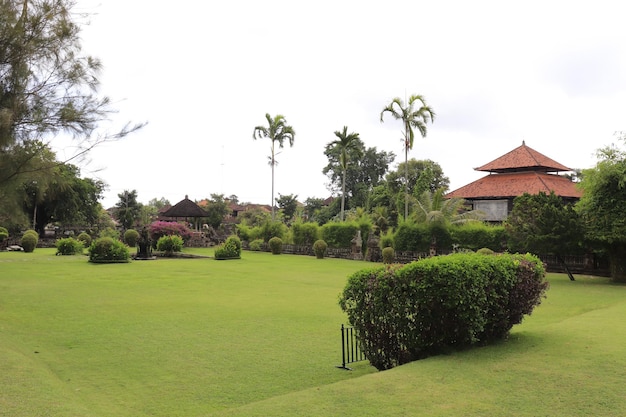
(515, 184)
(523, 158)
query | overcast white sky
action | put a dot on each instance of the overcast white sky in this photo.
(203, 74)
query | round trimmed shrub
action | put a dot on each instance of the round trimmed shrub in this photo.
(130, 237)
(389, 255)
(108, 250)
(485, 251)
(276, 245)
(170, 244)
(69, 246)
(256, 245)
(85, 238)
(319, 248)
(29, 240)
(231, 249)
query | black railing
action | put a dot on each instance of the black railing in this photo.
(350, 348)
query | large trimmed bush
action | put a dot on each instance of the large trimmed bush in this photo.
(85, 238)
(69, 246)
(339, 235)
(427, 307)
(170, 244)
(130, 237)
(108, 250)
(319, 248)
(305, 233)
(256, 245)
(276, 245)
(231, 249)
(29, 240)
(476, 235)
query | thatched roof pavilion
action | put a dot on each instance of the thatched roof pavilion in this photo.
(185, 209)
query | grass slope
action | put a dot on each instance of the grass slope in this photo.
(259, 336)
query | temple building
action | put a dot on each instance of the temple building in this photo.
(522, 170)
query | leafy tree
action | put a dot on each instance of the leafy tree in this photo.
(127, 209)
(311, 205)
(344, 143)
(411, 117)
(423, 175)
(603, 205)
(543, 224)
(217, 208)
(47, 86)
(288, 205)
(66, 198)
(277, 131)
(366, 171)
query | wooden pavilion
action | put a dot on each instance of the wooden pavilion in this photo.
(522, 170)
(185, 210)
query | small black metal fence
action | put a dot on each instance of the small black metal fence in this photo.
(350, 348)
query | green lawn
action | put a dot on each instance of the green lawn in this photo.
(260, 337)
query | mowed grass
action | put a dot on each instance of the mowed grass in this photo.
(260, 337)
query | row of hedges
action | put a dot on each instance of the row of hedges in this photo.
(405, 313)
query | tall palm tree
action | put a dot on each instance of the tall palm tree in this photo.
(412, 117)
(277, 131)
(346, 144)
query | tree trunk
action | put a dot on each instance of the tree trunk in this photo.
(273, 163)
(406, 179)
(617, 257)
(343, 194)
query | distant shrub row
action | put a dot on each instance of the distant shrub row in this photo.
(424, 308)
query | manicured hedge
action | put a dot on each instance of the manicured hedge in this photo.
(405, 313)
(108, 250)
(231, 249)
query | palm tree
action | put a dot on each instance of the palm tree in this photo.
(437, 211)
(278, 131)
(345, 144)
(411, 117)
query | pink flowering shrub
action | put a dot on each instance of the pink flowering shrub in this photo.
(160, 228)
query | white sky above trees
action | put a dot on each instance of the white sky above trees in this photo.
(203, 75)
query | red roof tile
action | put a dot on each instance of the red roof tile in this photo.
(523, 158)
(515, 184)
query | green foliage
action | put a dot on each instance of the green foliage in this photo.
(270, 229)
(110, 232)
(170, 244)
(276, 245)
(130, 237)
(304, 233)
(108, 250)
(387, 239)
(127, 209)
(430, 306)
(217, 208)
(543, 223)
(85, 238)
(231, 249)
(319, 248)
(288, 205)
(29, 241)
(411, 236)
(476, 235)
(4, 234)
(603, 205)
(485, 251)
(339, 235)
(389, 255)
(69, 246)
(256, 245)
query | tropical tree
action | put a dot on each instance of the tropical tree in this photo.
(47, 86)
(412, 117)
(421, 175)
(366, 170)
(603, 205)
(288, 204)
(438, 213)
(127, 209)
(347, 145)
(279, 131)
